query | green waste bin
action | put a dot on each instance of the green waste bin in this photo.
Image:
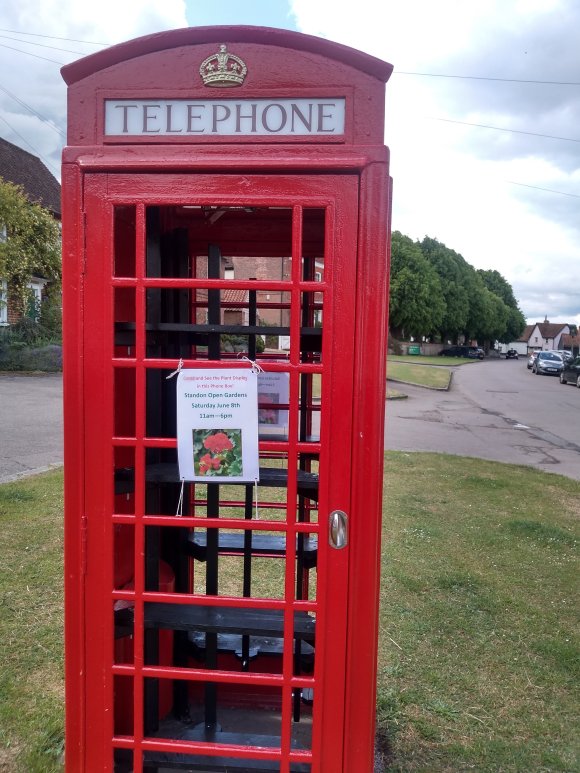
(414, 349)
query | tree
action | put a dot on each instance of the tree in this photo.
(448, 265)
(434, 290)
(495, 282)
(416, 300)
(499, 318)
(31, 246)
(515, 322)
(515, 325)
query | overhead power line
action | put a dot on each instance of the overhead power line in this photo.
(29, 53)
(53, 37)
(45, 162)
(501, 129)
(546, 190)
(395, 72)
(41, 45)
(43, 118)
(487, 78)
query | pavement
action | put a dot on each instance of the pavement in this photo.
(30, 424)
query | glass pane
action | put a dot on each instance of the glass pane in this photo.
(313, 244)
(178, 238)
(311, 326)
(123, 703)
(124, 241)
(124, 404)
(124, 327)
(123, 761)
(310, 407)
(302, 709)
(124, 480)
(245, 715)
(124, 555)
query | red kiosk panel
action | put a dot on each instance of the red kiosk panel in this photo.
(216, 625)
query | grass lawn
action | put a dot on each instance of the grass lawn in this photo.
(478, 660)
(421, 375)
(479, 655)
(420, 359)
(395, 394)
(31, 648)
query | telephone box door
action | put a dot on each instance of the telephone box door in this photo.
(215, 614)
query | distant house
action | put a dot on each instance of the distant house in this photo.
(526, 335)
(571, 343)
(41, 187)
(546, 335)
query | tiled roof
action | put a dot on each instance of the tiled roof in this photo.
(22, 168)
(550, 329)
(547, 330)
(233, 296)
(570, 340)
(525, 336)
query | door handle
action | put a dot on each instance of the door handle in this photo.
(338, 529)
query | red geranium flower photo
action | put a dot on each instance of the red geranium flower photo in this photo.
(217, 452)
(218, 443)
(208, 463)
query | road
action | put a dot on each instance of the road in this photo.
(496, 409)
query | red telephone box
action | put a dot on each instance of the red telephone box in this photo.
(226, 196)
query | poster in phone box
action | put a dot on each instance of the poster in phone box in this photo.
(273, 391)
(217, 425)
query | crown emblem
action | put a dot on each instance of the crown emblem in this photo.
(223, 69)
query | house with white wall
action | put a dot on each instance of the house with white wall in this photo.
(19, 167)
(546, 335)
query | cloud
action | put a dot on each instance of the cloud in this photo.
(452, 181)
(32, 71)
(457, 182)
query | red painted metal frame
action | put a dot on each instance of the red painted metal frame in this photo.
(335, 431)
(352, 400)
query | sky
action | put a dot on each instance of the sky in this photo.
(482, 112)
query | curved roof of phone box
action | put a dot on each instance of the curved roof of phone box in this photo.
(161, 41)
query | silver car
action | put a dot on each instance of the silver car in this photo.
(548, 363)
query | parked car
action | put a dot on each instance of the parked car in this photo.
(532, 359)
(570, 373)
(473, 352)
(548, 363)
(511, 354)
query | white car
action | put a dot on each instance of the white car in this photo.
(564, 354)
(532, 359)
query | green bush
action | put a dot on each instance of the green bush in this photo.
(30, 345)
(239, 343)
(18, 356)
(50, 317)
